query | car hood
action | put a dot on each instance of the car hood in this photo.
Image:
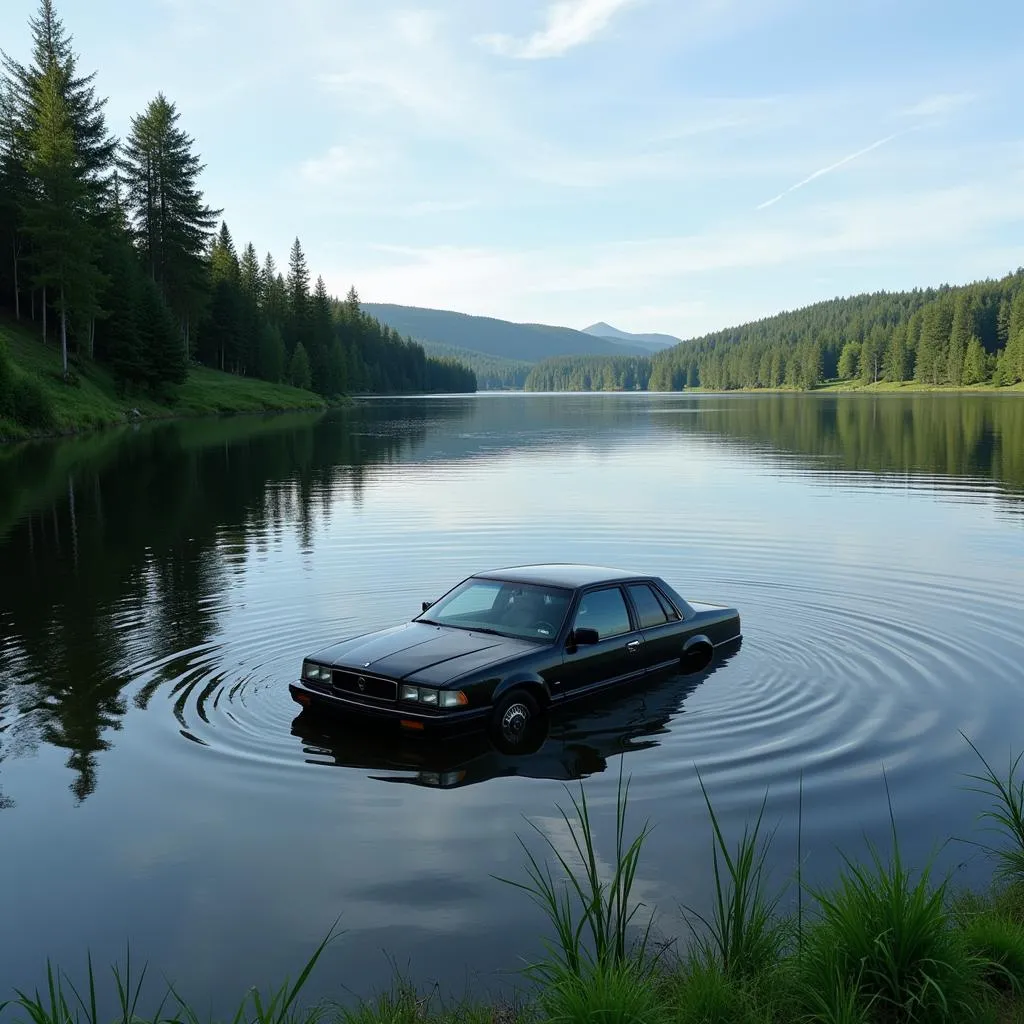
(431, 654)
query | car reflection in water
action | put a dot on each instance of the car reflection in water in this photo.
(569, 743)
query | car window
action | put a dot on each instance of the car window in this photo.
(605, 611)
(671, 612)
(471, 601)
(648, 608)
(525, 610)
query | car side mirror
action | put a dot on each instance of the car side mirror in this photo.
(584, 637)
(426, 604)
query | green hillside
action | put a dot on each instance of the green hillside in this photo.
(35, 400)
(489, 336)
(965, 336)
(493, 373)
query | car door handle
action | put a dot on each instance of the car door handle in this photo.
(633, 646)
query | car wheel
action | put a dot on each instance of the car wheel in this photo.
(696, 658)
(513, 714)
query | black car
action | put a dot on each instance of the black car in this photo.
(505, 645)
(572, 742)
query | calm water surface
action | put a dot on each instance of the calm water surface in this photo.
(158, 589)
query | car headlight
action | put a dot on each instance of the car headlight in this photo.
(431, 697)
(314, 673)
(440, 778)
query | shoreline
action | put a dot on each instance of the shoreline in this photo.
(881, 944)
(831, 387)
(85, 429)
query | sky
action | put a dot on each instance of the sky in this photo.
(662, 165)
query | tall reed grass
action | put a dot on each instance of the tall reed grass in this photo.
(591, 915)
(744, 933)
(1006, 811)
(883, 945)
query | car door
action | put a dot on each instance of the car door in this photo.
(659, 626)
(617, 655)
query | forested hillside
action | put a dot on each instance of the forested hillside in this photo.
(953, 336)
(590, 373)
(493, 373)
(110, 249)
(521, 342)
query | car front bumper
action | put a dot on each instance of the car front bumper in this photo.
(406, 716)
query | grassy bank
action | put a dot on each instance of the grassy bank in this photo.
(883, 945)
(908, 387)
(47, 405)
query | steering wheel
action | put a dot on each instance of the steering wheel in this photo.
(544, 627)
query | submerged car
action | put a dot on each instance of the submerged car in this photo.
(503, 646)
(573, 741)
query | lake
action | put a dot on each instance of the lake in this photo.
(159, 587)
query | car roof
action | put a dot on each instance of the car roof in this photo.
(561, 574)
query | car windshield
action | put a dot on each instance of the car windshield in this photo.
(523, 610)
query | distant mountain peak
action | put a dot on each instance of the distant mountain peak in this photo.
(649, 341)
(488, 336)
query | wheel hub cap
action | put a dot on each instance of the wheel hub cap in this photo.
(514, 719)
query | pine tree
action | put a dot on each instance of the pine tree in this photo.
(271, 362)
(62, 241)
(298, 368)
(297, 325)
(974, 369)
(275, 302)
(337, 369)
(298, 279)
(1003, 324)
(932, 349)
(250, 278)
(873, 354)
(220, 333)
(117, 336)
(1016, 320)
(250, 284)
(321, 337)
(171, 220)
(897, 356)
(849, 361)
(15, 188)
(160, 341)
(809, 368)
(960, 334)
(223, 257)
(52, 52)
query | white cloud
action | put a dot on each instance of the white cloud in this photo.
(940, 103)
(569, 23)
(337, 164)
(578, 282)
(427, 207)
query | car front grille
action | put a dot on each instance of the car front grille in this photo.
(360, 685)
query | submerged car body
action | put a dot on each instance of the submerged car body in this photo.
(504, 645)
(573, 741)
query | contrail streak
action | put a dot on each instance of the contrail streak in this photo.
(830, 168)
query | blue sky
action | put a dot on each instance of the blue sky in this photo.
(670, 165)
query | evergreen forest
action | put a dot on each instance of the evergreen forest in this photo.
(946, 336)
(112, 254)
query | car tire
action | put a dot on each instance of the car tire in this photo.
(696, 658)
(513, 714)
